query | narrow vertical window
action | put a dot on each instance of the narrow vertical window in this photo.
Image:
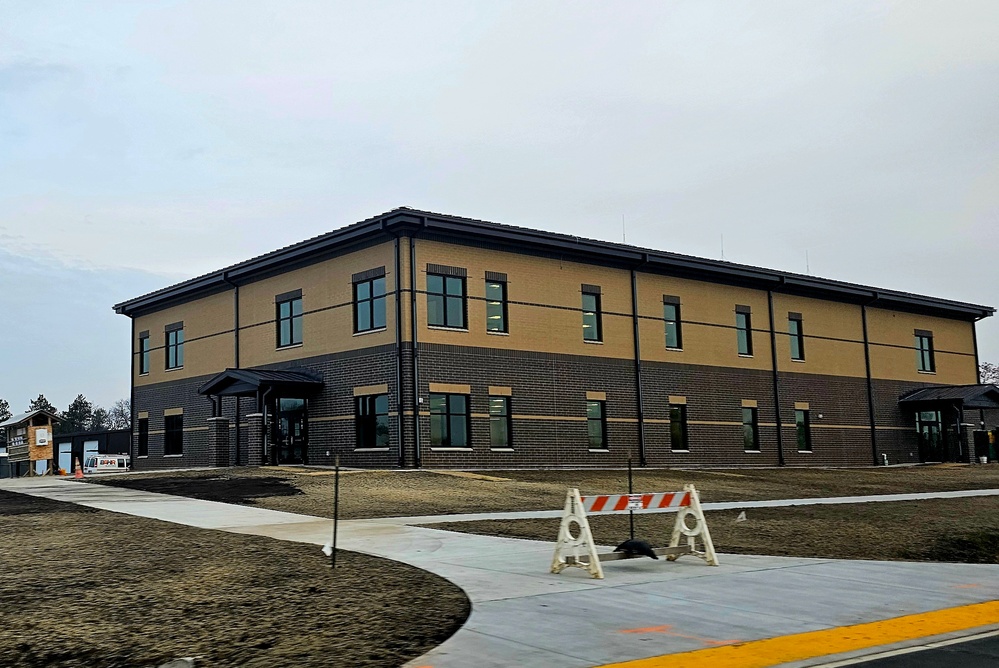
(679, 439)
(804, 429)
(446, 301)
(175, 345)
(289, 318)
(143, 353)
(371, 421)
(143, 444)
(671, 315)
(496, 310)
(744, 330)
(797, 336)
(924, 351)
(596, 425)
(449, 421)
(369, 300)
(499, 422)
(173, 435)
(591, 313)
(750, 430)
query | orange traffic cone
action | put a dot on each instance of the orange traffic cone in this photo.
(79, 470)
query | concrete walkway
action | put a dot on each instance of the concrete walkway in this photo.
(523, 616)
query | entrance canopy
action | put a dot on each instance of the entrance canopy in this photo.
(256, 382)
(960, 396)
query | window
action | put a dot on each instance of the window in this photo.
(804, 430)
(175, 345)
(371, 421)
(173, 435)
(449, 421)
(499, 422)
(750, 430)
(797, 336)
(289, 318)
(596, 425)
(591, 313)
(369, 300)
(143, 445)
(671, 314)
(924, 351)
(143, 353)
(678, 437)
(446, 301)
(495, 302)
(744, 330)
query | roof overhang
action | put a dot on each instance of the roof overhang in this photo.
(250, 382)
(963, 396)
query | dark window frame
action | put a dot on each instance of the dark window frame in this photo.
(595, 313)
(505, 418)
(803, 429)
(374, 304)
(599, 421)
(446, 439)
(744, 330)
(672, 303)
(925, 358)
(678, 429)
(144, 353)
(750, 429)
(174, 347)
(368, 415)
(142, 445)
(796, 336)
(446, 300)
(491, 304)
(289, 299)
(173, 435)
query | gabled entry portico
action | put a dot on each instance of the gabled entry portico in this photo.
(278, 429)
(943, 415)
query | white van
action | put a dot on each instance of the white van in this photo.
(106, 463)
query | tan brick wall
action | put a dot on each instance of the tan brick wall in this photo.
(893, 355)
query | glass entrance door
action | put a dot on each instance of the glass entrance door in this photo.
(291, 439)
(931, 442)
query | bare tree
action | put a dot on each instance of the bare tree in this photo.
(989, 372)
(120, 416)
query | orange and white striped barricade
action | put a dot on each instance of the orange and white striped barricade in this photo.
(578, 549)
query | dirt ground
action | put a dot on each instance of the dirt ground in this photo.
(84, 587)
(365, 494)
(959, 530)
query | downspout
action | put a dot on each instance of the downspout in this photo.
(974, 341)
(235, 352)
(133, 451)
(398, 348)
(870, 382)
(417, 458)
(638, 363)
(773, 357)
(266, 430)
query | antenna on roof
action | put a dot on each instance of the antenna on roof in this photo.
(624, 232)
(723, 246)
(808, 269)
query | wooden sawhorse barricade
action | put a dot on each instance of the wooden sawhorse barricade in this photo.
(579, 550)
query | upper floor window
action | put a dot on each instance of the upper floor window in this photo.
(369, 300)
(449, 421)
(289, 318)
(175, 345)
(371, 421)
(744, 330)
(596, 425)
(496, 310)
(924, 351)
(679, 438)
(750, 429)
(173, 435)
(499, 422)
(671, 314)
(446, 297)
(144, 352)
(797, 336)
(804, 430)
(592, 330)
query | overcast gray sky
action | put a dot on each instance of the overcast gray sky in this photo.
(146, 142)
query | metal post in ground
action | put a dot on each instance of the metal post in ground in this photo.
(336, 506)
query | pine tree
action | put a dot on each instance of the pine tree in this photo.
(43, 404)
(99, 421)
(78, 416)
(4, 410)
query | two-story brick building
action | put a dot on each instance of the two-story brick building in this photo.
(420, 339)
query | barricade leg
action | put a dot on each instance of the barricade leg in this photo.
(569, 549)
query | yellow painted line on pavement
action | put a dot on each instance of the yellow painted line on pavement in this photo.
(801, 646)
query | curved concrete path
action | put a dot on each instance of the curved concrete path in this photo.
(523, 616)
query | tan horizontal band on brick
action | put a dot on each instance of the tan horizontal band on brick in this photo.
(424, 413)
(364, 390)
(331, 418)
(768, 424)
(749, 403)
(655, 421)
(801, 405)
(142, 415)
(450, 388)
(631, 420)
(896, 428)
(195, 429)
(173, 411)
(480, 415)
(156, 431)
(498, 391)
(715, 423)
(596, 396)
(829, 426)
(673, 399)
(561, 418)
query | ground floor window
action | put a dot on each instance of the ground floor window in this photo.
(679, 438)
(596, 425)
(173, 435)
(371, 421)
(499, 422)
(449, 423)
(750, 430)
(804, 429)
(143, 445)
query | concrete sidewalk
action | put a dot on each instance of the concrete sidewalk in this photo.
(524, 616)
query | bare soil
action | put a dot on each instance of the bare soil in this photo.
(84, 587)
